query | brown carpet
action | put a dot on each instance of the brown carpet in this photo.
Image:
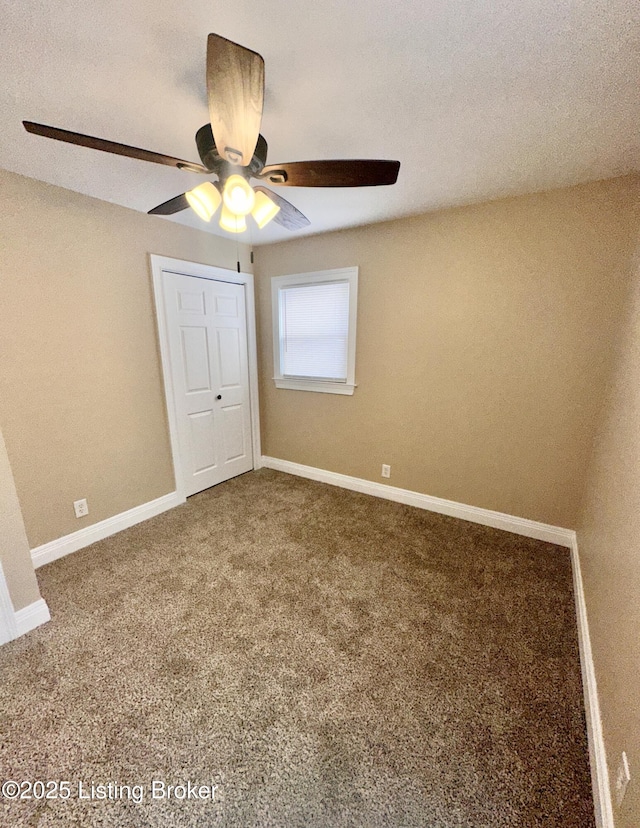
(323, 657)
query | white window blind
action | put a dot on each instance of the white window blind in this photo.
(315, 331)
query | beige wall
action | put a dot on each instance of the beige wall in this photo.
(14, 548)
(484, 341)
(81, 400)
(609, 544)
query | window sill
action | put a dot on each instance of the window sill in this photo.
(310, 385)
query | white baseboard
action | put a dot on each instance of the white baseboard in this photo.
(486, 517)
(60, 547)
(31, 616)
(8, 630)
(597, 753)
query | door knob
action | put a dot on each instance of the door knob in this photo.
(219, 397)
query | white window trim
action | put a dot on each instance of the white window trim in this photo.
(345, 274)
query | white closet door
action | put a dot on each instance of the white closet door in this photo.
(207, 329)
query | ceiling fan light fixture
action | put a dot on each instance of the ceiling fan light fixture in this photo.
(238, 196)
(204, 200)
(231, 222)
(264, 209)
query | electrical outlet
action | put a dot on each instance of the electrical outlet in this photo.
(623, 777)
(80, 507)
(386, 470)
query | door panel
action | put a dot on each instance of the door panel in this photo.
(195, 356)
(230, 357)
(227, 306)
(203, 446)
(191, 302)
(209, 367)
(234, 442)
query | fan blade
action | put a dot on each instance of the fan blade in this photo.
(354, 173)
(289, 216)
(235, 87)
(168, 208)
(110, 146)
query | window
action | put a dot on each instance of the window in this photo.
(314, 330)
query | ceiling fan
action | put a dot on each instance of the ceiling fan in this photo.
(231, 148)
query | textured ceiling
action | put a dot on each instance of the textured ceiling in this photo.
(477, 98)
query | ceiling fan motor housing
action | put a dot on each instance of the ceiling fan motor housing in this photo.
(213, 162)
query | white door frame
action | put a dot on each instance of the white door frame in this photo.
(162, 264)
